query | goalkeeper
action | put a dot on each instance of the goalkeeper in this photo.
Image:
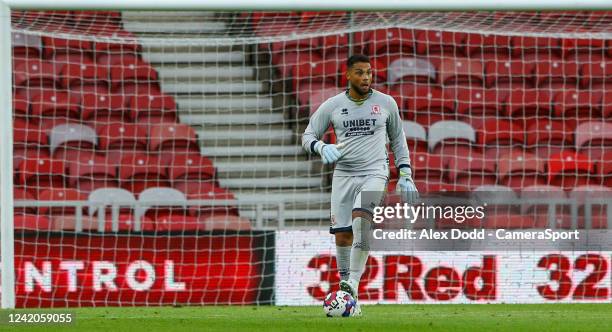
(362, 119)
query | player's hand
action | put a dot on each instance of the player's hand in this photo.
(329, 152)
(406, 187)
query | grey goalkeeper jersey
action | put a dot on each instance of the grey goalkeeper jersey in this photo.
(363, 129)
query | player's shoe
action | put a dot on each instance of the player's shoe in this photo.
(357, 312)
(349, 286)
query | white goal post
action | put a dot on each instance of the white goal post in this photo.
(6, 104)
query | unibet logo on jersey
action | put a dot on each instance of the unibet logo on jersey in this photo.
(359, 127)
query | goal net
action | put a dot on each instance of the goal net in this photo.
(157, 155)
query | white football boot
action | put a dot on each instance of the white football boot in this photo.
(350, 286)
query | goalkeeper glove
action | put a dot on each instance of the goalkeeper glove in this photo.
(329, 152)
(406, 187)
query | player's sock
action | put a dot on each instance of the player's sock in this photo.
(343, 258)
(359, 250)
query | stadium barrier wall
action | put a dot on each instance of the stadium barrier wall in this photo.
(70, 270)
(306, 272)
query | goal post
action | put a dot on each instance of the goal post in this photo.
(6, 161)
(258, 280)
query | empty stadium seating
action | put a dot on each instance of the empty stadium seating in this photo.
(91, 119)
(522, 112)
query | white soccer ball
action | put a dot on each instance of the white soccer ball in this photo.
(339, 304)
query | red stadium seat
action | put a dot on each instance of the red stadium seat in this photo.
(50, 103)
(477, 100)
(21, 104)
(31, 222)
(471, 171)
(594, 138)
(39, 174)
(522, 45)
(499, 133)
(569, 169)
(324, 72)
(484, 44)
(129, 89)
(190, 167)
(76, 69)
(27, 135)
(521, 170)
(335, 44)
(546, 137)
(502, 71)
(582, 45)
(124, 137)
(35, 73)
(138, 172)
(93, 172)
(555, 72)
(127, 67)
(428, 167)
(286, 61)
(60, 194)
(386, 41)
(426, 101)
(529, 102)
(595, 74)
(99, 106)
(574, 103)
(177, 137)
(447, 42)
(461, 71)
(153, 108)
(56, 45)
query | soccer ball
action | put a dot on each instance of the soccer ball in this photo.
(339, 304)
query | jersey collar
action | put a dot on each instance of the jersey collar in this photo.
(358, 101)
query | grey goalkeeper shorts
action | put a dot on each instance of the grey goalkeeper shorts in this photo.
(350, 193)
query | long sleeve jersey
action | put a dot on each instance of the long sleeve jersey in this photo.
(363, 129)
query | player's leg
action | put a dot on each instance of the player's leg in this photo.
(370, 194)
(341, 203)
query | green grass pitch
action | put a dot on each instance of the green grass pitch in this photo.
(379, 318)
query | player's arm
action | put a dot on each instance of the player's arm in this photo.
(397, 139)
(317, 126)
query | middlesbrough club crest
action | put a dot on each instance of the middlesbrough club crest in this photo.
(375, 110)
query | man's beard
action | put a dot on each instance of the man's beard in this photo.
(360, 92)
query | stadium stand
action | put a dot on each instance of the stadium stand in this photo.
(478, 110)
